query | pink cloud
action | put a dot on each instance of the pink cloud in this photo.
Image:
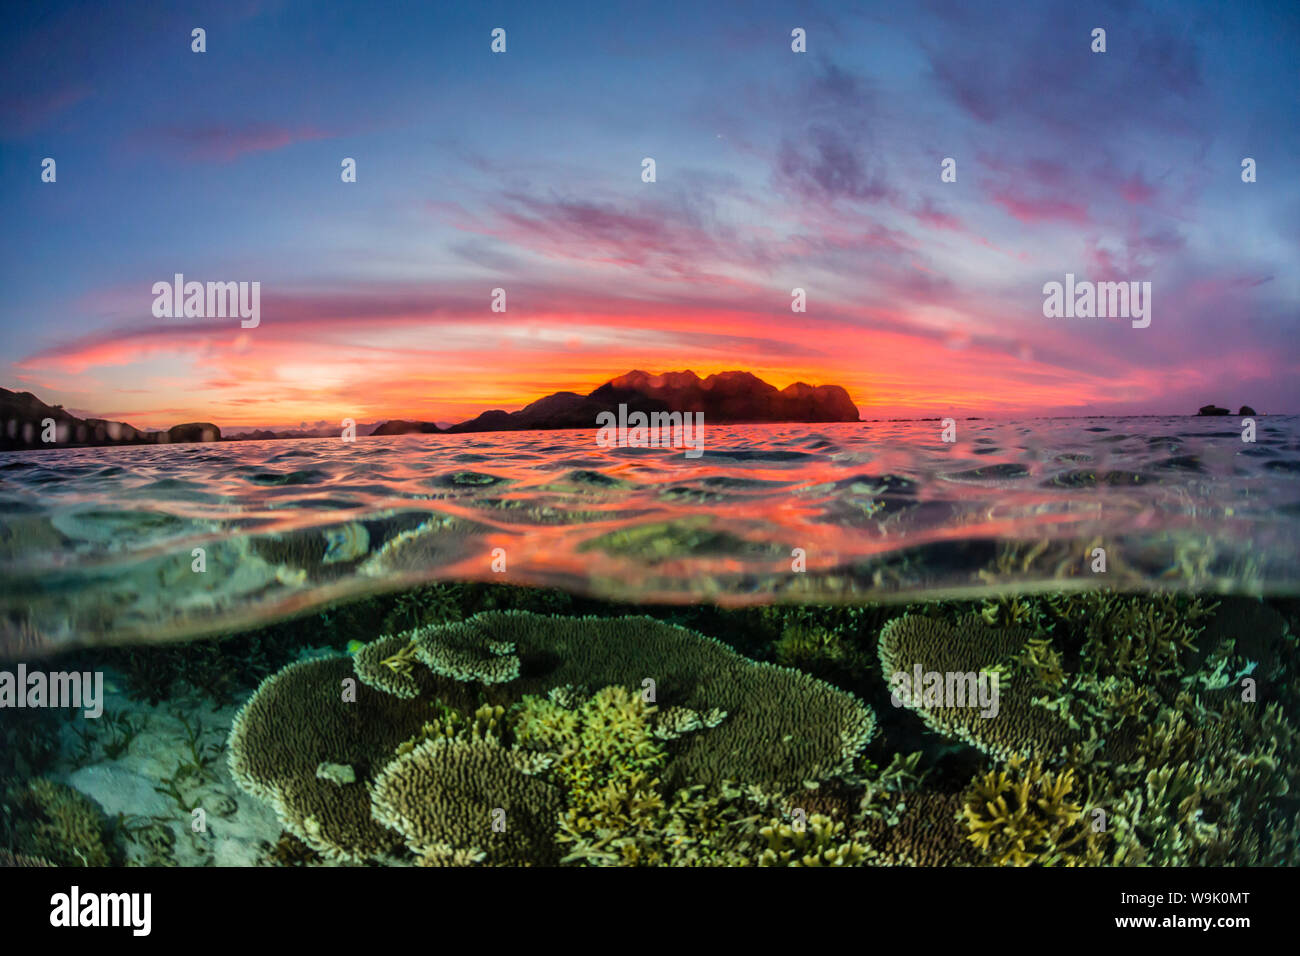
(1042, 210)
(222, 144)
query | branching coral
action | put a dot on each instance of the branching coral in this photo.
(1166, 768)
(9, 859)
(820, 841)
(57, 823)
(812, 646)
(1023, 814)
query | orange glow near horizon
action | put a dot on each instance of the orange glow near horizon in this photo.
(448, 370)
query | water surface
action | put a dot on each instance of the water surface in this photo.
(105, 544)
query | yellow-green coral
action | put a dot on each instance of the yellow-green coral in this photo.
(614, 742)
(606, 755)
(814, 648)
(1023, 814)
(1145, 635)
(819, 841)
(487, 723)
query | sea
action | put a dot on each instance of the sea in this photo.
(191, 575)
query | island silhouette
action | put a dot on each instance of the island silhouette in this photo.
(733, 397)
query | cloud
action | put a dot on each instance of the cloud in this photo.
(831, 156)
(1041, 209)
(24, 113)
(225, 143)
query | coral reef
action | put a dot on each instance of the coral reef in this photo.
(822, 841)
(1130, 729)
(8, 858)
(595, 777)
(1170, 758)
(782, 724)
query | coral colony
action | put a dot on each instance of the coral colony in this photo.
(434, 562)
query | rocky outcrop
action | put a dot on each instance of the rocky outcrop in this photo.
(1216, 410)
(398, 427)
(724, 398)
(24, 417)
(194, 431)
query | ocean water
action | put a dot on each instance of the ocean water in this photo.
(637, 657)
(98, 545)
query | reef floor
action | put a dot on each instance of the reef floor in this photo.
(1123, 728)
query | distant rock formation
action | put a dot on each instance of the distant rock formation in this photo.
(406, 428)
(23, 417)
(724, 398)
(194, 431)
(1247, 410)
(1213, 410)
(264, 434)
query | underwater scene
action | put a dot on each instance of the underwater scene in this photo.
(1067, 642)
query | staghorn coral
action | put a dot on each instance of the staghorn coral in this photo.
(487, 723)
(1023, 814)
(713, 826)
(615, 823)
(819, 649)
(1205, 787)
(1164, 766)
(821, 841)
(1143, 636)
(1009, 610)
(605, 756)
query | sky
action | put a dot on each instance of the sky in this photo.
(523, 171)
